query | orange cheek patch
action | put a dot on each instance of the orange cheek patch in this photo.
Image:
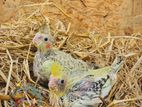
(48, 45)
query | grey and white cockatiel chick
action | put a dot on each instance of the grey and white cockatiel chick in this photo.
(77, 89)
(44, 43)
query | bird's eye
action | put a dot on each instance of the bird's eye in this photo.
(46, 39)
(62, 81)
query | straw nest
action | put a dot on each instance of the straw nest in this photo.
(17, 52)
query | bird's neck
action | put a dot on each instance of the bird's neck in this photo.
(46, 52)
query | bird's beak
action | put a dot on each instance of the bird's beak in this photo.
(52, 84)
(36, 40)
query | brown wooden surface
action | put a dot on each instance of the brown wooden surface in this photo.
(117, 16)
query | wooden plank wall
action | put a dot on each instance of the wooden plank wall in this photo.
(137, 15)
(132, 17)
(121, 17)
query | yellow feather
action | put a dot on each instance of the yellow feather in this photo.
(57, 70)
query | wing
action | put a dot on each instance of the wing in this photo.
(86, 92)
(37, 64)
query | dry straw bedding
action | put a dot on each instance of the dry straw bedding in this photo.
(17, 52)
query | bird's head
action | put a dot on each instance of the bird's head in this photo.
(43, 39)
(57, 81)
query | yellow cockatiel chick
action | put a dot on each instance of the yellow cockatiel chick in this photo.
(82, 89)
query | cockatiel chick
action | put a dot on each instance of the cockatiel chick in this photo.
(77, 89)
(44, 43)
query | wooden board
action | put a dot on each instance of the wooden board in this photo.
(120, 17)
